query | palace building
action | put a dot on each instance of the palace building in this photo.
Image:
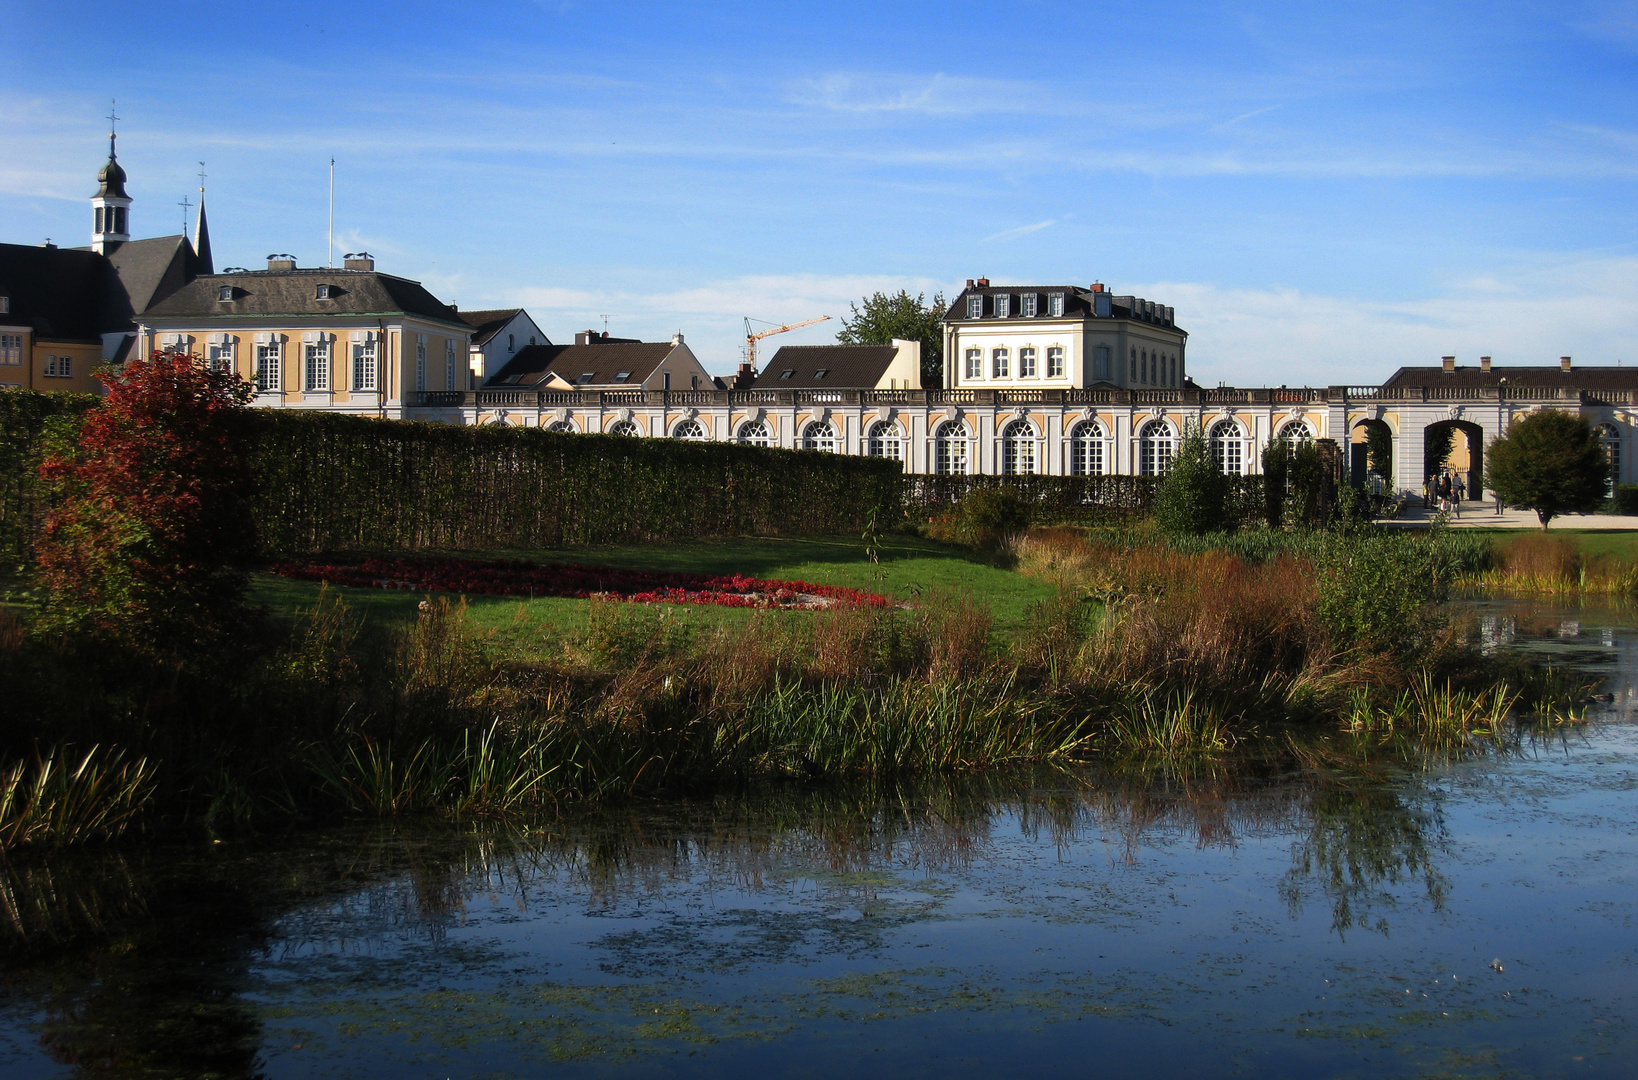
(1057, 380)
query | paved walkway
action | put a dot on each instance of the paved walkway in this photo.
(1482, 515)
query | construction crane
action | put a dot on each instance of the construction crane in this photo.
(752, 336)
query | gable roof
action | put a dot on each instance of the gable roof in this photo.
(486, 324)
(295, 292)
(1468, 378)
(534, 364)
(846, 367)
(148, 271)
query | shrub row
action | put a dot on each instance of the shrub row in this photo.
(24, 417)
(1071, 499)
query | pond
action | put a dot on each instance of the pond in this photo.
(1261, 918)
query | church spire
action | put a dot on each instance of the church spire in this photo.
(110, 206)
(202, 263)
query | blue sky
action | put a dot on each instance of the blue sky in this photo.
(1324, 192)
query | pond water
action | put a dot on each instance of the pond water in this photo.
(1477, 918)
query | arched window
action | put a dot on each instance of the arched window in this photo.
(1086, 449)
(1157, 444)
(819, 435)
(562, 427)
(1228, 446)
(950, 448)
(1296, 431)
(625, 427)
(755, 433)
(689, 429)
(886, 440)
(1018, 447)
(1610, 436)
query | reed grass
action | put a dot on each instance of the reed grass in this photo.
(1555, 565)
(52, 799)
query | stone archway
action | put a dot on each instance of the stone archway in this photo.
(1465, 456)
(1360, 440)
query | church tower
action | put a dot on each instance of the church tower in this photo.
(110, 206)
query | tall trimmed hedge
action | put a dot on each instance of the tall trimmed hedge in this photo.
(24, 417)
(1071, 499)
(327, 482)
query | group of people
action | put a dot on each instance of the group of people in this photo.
(1446, 490)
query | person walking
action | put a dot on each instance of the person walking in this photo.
(1458, 491)
(1428, 484)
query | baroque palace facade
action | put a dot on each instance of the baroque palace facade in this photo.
(1038, 379)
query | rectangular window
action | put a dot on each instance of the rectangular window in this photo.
(5, 305)
(219, 355)
(1055, 305)
(1028, 304)
(975, 363)
(1026, 363)
(11, 349)
(225, 292)
(665, 380)
(56, 367)
(975, 306)
(316, 355)
(364, 365)
(1003, 307)
(1100, 362)
(449, 364)
(420, 361)
(269, 361)
(1001, 363)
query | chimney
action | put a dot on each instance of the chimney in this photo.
(281, 262)
(1484, 363)
(585, 337)
(983, 283)
(359, 261)
(969, 283)
(1564, 363)
(677, 338)
(1448, 363)
(1097, 286)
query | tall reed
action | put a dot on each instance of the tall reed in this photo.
(51, 799)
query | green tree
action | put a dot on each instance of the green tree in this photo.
(1379, 449)
(1193, 498)
(1438, 443)
(884, 317)
(1550, 462)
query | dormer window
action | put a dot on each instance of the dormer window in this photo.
(787, 373)
(1055, 305)
(323, 293)
(225, 292)
(1003, 307)
(821, 373)
(1028, 305)
(621, 376)
(975, 306)
(585, 377)
(5, 305)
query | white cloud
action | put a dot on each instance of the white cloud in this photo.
(1022, 230)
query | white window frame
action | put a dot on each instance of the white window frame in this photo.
(755, 433)
(1088, 449)
(58, 367)
(366, 362)
(1156, 448)
(1055, 305)
(420, 361)
(1228, 446)
(317, 359)
(975, 306)
(1000, 362)
(220, 353)
(1003, 306)
(1029, 304)
(821, 435)
(950, 449)
(449, 364)
(1026, 362)
(885, 440)
(269, 373)
(975, 363)
(689, 430)
(11, 350)
(626, 429)
(1018, 442)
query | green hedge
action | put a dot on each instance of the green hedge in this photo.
(24, 415)
(331, 483)
(327, 482)
(1071, 499)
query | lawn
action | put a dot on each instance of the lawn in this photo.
(1620, 543)
(910, 567)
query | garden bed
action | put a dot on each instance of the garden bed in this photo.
(515, 577)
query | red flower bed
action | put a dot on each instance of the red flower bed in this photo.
(517, 578)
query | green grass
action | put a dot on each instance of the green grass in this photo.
(909, 567)
(1620, 543)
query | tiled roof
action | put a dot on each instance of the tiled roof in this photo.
(148, 271)
(295, 292)
(845, 367)
(1079, 303)
(56, 291)
(603, 362)
(486, 324)
(1467, 378)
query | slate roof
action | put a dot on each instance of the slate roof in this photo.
(531, 365)
(486, 324)
(1468, 378)
(1078, 304)
(846, 367)
(56, 291)
(148, 271)
(295, 293)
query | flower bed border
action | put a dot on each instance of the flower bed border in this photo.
(519, 577)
